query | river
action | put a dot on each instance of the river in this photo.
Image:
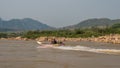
(25, 54)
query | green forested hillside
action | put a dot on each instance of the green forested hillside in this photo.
(22, 25)
(102, 22)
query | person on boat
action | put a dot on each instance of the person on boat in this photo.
(56, 43)
(53, 41)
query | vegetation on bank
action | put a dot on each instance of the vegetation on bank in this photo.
(10, 35)
(83, 33)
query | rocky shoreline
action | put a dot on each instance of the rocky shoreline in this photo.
(113, 38)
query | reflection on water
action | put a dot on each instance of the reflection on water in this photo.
(24, 54)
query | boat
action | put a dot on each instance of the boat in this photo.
(48, 45)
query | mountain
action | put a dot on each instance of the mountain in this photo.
(101, 22)
(22, 25)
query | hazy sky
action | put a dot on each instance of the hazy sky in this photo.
(59, 13)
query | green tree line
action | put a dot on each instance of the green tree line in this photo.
(83, 33)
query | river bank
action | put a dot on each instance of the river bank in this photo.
(113, 38)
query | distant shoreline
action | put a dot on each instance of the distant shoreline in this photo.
(113, 38)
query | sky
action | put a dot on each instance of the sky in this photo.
(59, 13)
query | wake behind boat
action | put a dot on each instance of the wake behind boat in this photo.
(80, 48)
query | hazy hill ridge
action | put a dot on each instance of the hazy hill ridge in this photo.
(101, 22)
(23, 24)
(30, 24)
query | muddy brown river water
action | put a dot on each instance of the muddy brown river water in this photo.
(24, 54)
